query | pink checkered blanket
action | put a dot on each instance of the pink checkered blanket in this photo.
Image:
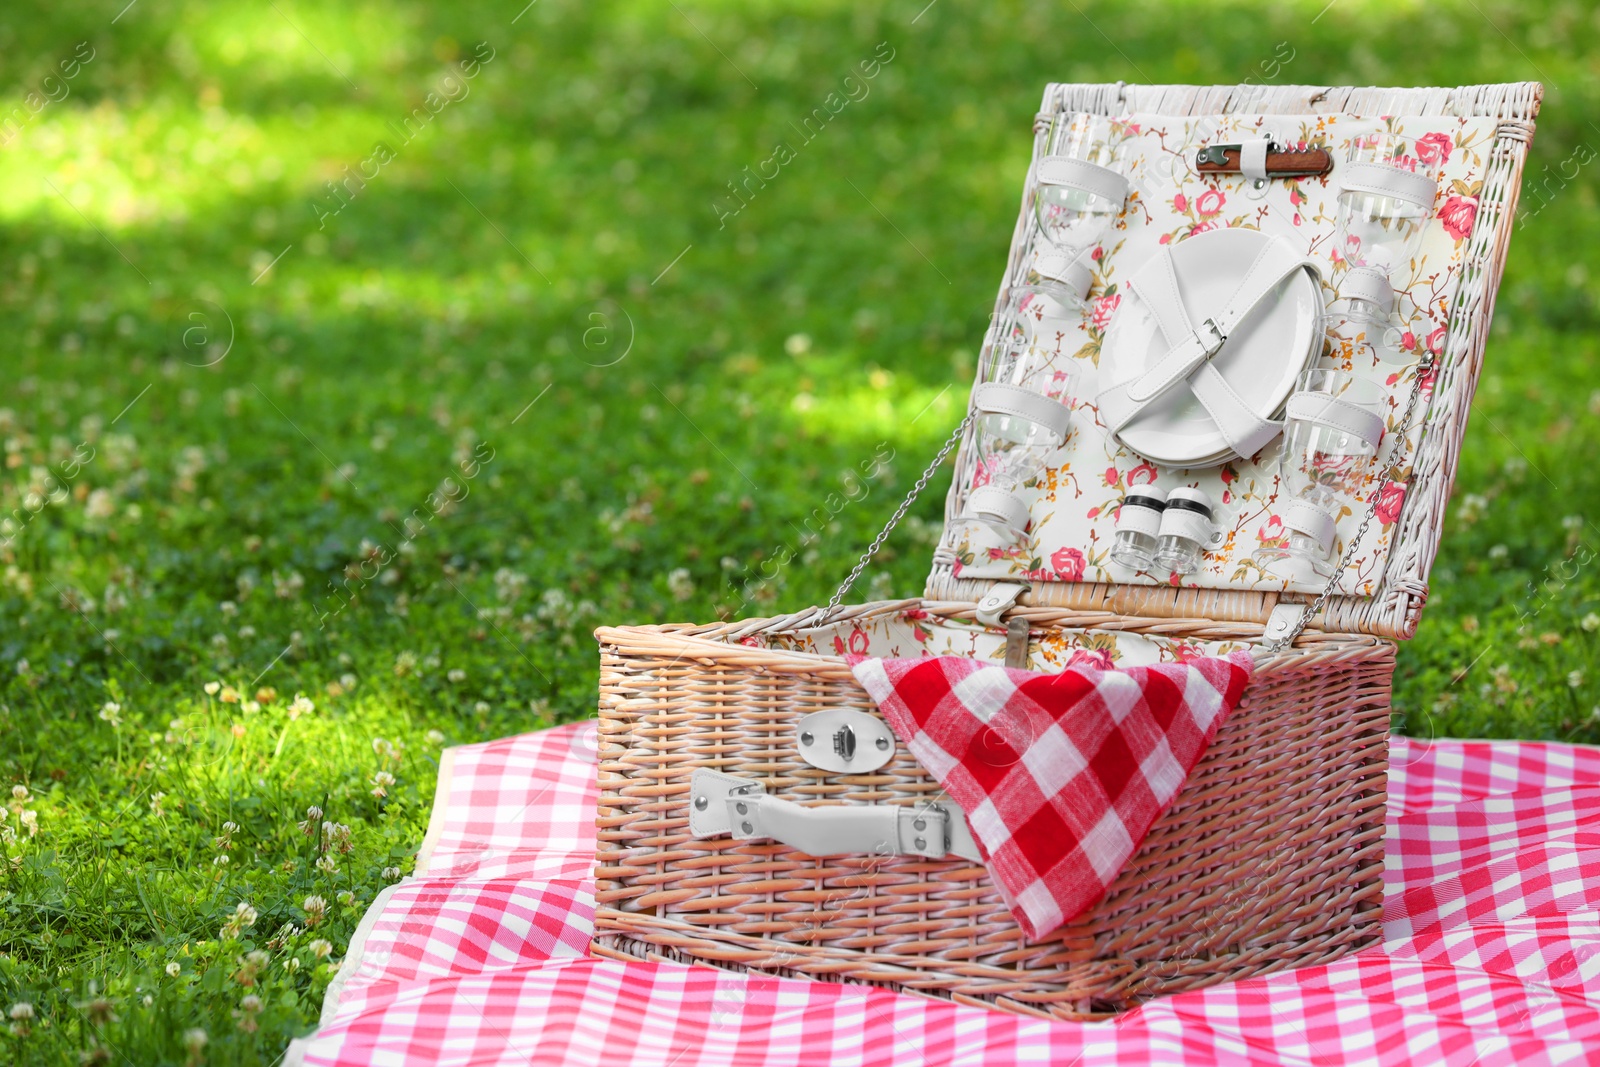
(1492, 953)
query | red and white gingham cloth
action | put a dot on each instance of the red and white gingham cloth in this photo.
(1061, 775)
(1492, 955)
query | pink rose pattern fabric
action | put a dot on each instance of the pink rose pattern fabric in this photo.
(1075, 500)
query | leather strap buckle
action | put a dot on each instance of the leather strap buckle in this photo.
(1216, 332)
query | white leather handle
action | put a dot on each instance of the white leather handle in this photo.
(724, 803)
(1083, 176)
(1380, 179)
(841, 829)
(997, 398)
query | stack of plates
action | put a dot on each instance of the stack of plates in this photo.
(1262, 359)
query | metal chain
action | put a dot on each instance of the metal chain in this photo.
(894, 520)
(1423, 369)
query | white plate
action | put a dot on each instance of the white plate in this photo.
(1262, 358)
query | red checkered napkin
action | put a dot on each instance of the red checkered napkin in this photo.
(1061, 775)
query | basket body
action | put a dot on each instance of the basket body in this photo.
(1271, 857)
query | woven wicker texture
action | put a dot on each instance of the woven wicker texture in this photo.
(1271, 857)
(1394, 610)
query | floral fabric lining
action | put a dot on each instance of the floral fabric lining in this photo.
(1075, 500)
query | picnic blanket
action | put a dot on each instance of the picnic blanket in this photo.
(1492, 950)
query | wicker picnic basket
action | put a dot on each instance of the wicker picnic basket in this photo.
(1272, 855)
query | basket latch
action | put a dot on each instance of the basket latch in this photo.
(999, 600)
(1283, 623)
(844, 741)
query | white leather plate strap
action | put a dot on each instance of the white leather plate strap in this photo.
(1189, 358)
(1083, 176)
(997, 398)
(1336, 414)
(988, 502)
(725, 804)
(1383, 180)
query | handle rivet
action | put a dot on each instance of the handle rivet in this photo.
(921, 843)
(701, 803)
(806, 738)
(746, 827)
(883, 744)
(920, 824)
(744, 809)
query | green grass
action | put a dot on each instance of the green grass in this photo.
(685, 423)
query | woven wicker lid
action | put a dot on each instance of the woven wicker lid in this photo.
(1399, 592)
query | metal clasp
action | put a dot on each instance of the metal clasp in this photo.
(1216, 331)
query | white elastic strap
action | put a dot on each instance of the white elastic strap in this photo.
(1253, 159)
(1138, 519)
(1083, 176)
(1304, 517)
(990, 502)
(1381, 179)
(997, 398)
(1337, 414)
(1181, 522)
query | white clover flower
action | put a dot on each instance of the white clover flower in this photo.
(348, 680)
(456, 674)
(174, 969)
(30, 820)
(345, 898)
(195, 1040)
(391, 873)
(211, 688)
(300, 706)
(1591, 622)
(320, 948)
(434, 737)
(19, 792)
(381, 783)
(111, 712)
(327, 864)
(21, 1011)
(481, 707)
(1574, 679)
(680, 584)
(315, 908)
